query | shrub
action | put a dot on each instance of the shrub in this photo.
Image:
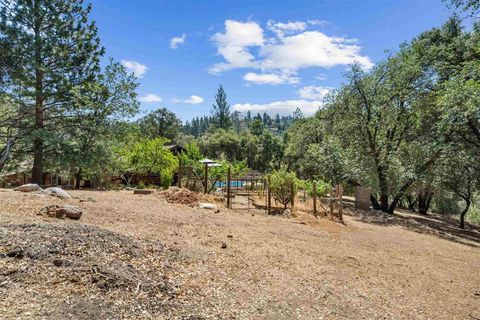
(282, 185)
(322, 187)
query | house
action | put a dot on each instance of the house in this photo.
(17, 174)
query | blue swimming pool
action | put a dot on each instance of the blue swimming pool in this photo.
(236, 184)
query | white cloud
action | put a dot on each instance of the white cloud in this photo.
(281, 107)
(312, 49)
(176, 41)
(194, 100)
(317, 22)
(150, 98)
(281, 29)
(270, 78)
(293, 47)
(233, 45)
(135, 67)
(313, 92)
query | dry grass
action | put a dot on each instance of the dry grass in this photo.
(285, 268)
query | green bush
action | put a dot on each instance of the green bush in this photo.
(283, 186)
(473, 215)
(322, 187)
(446, 205)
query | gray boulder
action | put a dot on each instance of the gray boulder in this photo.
(57, 192)
(31, 187)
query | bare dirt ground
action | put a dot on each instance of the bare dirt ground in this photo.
(373, 267)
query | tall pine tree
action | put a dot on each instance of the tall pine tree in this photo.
(221, 110)
(56, 49)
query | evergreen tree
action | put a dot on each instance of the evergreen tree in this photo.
(55, 49)
(160, 123)
(221, 110)
(298, 114)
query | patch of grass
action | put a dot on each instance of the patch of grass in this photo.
(473, 215)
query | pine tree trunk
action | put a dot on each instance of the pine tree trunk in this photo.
(37, 169)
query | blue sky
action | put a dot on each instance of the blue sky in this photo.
(270, 55)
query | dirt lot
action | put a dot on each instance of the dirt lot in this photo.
(156, 260)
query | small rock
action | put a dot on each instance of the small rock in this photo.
(287, 212)
(224, 245)
(57, 192)
(58, 263)
(31, 187)
(230, 236)
(208, 206)
(88, 200)
(60, 212)
(16, 253)
(72, 212)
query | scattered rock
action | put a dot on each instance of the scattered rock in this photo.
(88, 200)
(62, 211)
(208, 206)
(31, 187)
(224, 245)
(230, 236)
(57, 192)
(287, 212)
(16, 253)
(58, 262)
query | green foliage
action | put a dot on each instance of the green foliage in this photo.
(322, 187)
(300, 136)
(99, 105)
(381, 116)
(283, 186)
(160, 123)
(221, 143)
(474, 215)
(56, 51)
(257, 127)
(470, 6)
(221, 110)
(150, 157)
(326, 161)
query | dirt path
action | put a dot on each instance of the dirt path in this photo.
(278, 268)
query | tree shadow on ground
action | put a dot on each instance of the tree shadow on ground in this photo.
(432, 224)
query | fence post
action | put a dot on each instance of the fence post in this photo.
(180, 172)
(229, 178)
(314, 198)
(188, 177)
(340, 201)
(205, 183)
(269, 197)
